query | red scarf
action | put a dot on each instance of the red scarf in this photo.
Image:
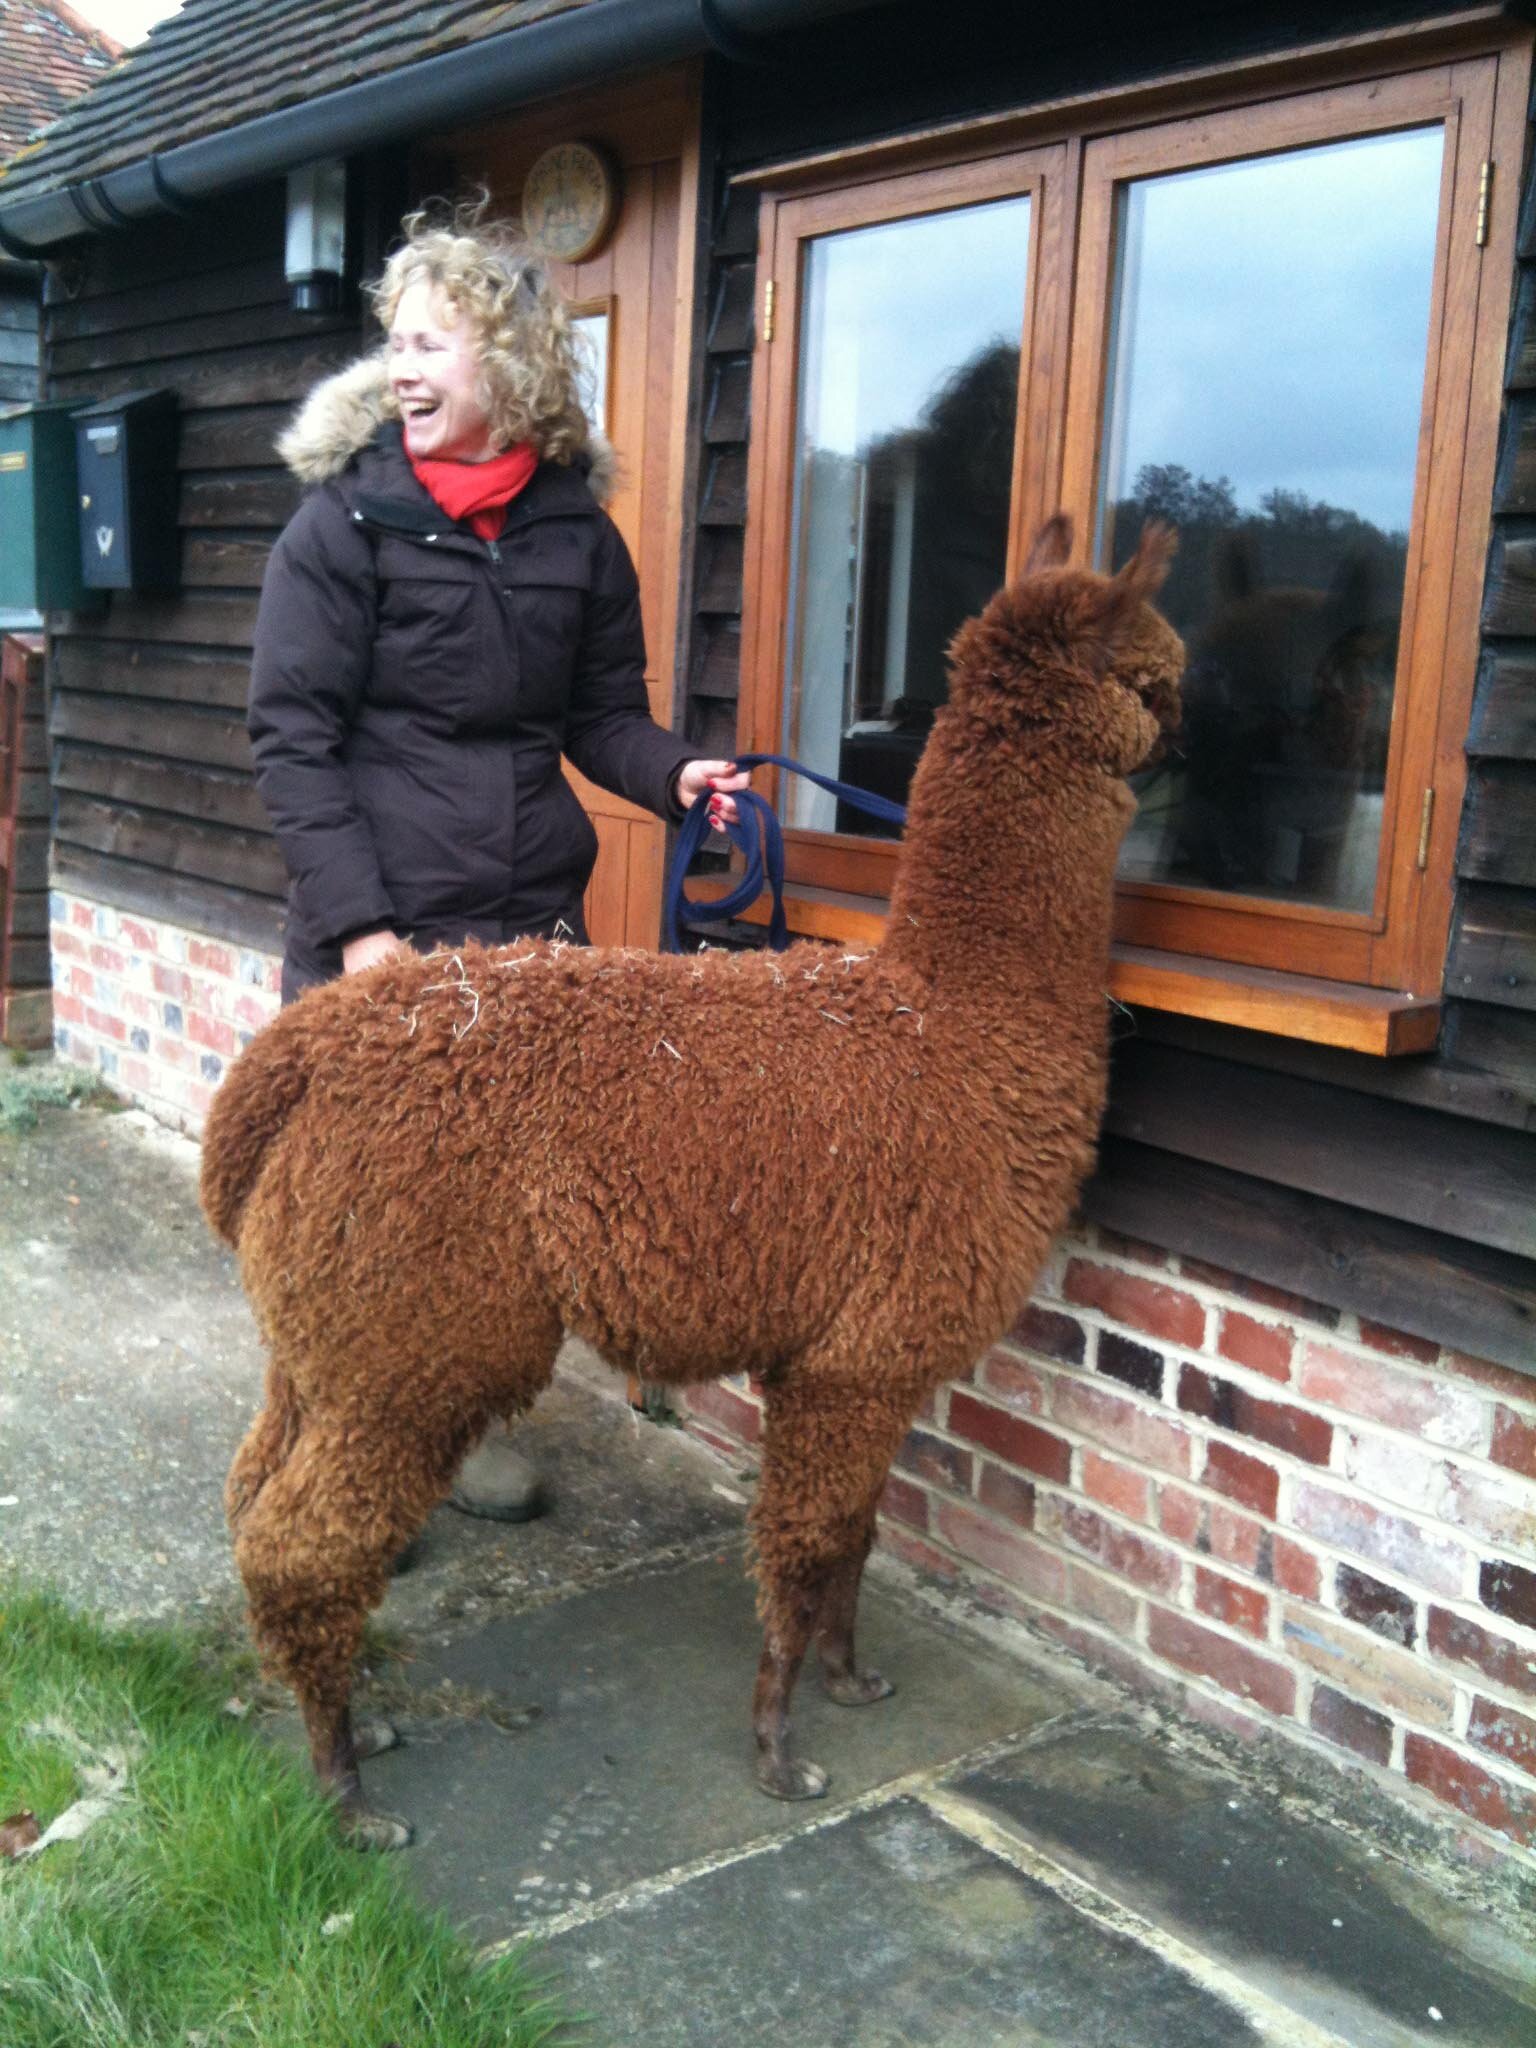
(477, 491)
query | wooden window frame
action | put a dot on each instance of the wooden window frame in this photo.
(1371, 979)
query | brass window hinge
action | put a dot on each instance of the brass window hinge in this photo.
(768, 310)
(1426, 816)
(1484, 194)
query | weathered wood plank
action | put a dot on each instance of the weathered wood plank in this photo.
(215, 622)
(1492, 956)
(720, 571)
(718, 669)
(1504, 709)
(731, 322)
(1514, 488)
(1475, 1300)
(1499, 1045)
(222, 564)
(253, 497)
(1471, 1181)
(213, 796)
(150, 672)
(199, 906)
(727, 416)
(274, 373)
(1520, 372)
(172, 341)
(725, 491)
(29, 963)
(202, 291)
(241, 859)
(171, 732)
(29, 855)
(1509, 593)
(169, 248)
(1456, 1080)
(29, 913)
(242, 439)
(1498, 833)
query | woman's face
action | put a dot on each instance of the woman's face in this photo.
(434, 372)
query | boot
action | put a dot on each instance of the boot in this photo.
(497, 1482)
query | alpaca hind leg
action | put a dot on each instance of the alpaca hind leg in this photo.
(841, 1678)
(266, 1445)
(314, 1549)
(825, 1457)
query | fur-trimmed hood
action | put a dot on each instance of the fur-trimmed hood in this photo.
(343, 412)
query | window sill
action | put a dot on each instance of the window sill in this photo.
(1369, 1020)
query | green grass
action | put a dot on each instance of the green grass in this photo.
(192, 1913)
(28, 1085)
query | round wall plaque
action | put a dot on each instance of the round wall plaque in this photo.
(569, 200)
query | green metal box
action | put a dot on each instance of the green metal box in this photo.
(39, 533)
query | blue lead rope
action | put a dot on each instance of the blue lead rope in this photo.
(759, 838)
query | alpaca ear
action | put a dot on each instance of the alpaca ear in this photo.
(1053, 545)
(1143, 575)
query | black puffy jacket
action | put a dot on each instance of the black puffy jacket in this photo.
(413, 688)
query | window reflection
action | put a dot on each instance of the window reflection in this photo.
(592, 366)
(1266, 381)
(909, 366)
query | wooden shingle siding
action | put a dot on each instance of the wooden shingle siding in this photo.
(155, 807)
(18, 338)
(1400, 1188)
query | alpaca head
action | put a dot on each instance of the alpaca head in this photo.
(1082, 653)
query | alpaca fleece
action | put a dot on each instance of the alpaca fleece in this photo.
(839, 1172)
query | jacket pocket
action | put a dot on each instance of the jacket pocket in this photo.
(545, 589)
(431, 647)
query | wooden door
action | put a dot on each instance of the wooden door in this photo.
(636, 288)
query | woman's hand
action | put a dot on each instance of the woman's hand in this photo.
(720, 778)
(367, 951)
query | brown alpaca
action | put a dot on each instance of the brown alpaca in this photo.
(838, 1173)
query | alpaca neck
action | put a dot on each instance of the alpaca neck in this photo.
(1004, 891)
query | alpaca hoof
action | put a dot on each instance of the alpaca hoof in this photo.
(362, 1828)
(856, 1688)
(372, 1738)
(791, 1779)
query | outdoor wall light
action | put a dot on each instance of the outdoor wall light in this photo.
(317, 236)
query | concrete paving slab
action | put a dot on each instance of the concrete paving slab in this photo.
(1342, 1933)
(887, 1929)
(640, 1758)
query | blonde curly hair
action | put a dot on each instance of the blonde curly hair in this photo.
(529, 352)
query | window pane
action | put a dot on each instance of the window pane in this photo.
(909, 370)
(592, 366)
(1266, 380)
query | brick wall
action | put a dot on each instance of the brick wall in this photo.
(1290, 1518)
(155, 1010)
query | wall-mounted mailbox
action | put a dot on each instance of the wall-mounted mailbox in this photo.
(125, 457)
(40, 566)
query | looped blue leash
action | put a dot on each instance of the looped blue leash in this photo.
(759, 838)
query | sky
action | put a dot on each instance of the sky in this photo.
(128, 20)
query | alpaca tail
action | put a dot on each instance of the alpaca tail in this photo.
(260, 1092)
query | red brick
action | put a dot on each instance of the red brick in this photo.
(728, 1407)
(1261, 1347)
(1182, 1516)
(1238, 1539)
(107, 959)
(1119, 1550)
(1012, 1556)
(1273, 1422)
(1007, 1375)
(67, 1009)
(1166, 1312)
(920, 1554)
(142, 937)
(82, 982)
(68, 943)
(941, 1463)
(213, 959)
(1223, 1599)
(1345, 1523)
(1339, 1719)
(1296, 1570)
(1141, 1432)
(726, 1446)
(1053, 1335)
(1435, 1410)
(906, 1502)
(1385, 1610)
(199, 1099)
(82, 916)
(171, 981)
(1398, 1343)
(1248, 1481)
(1504, 1732)
(138, 1075)
(1496, 1379)
(1009, 1436)
(1509, 1589)
(1232, 1666)
(252, 1012)
(1514, 1441)
(1469, 1788)
(1124, 1247)
(1101, 1600)
(212, 1032)
(175, 1053)
(1116, 1485)
(1007, 1494)
(1136, 1366)
(1461, 1641)
(105, 1024)
(142, 1007)
(1367, 1668)
(1260, 1292)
